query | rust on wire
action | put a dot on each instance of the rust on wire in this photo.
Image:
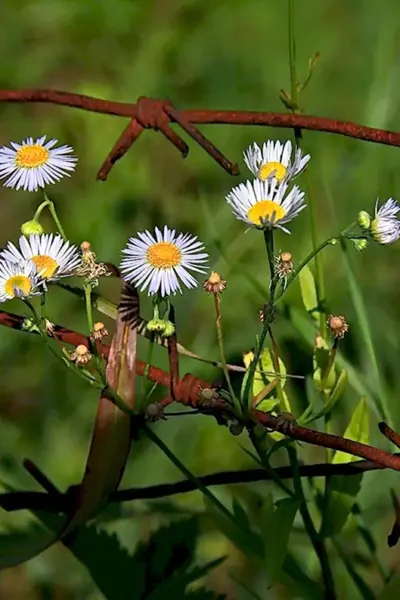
(148, 113)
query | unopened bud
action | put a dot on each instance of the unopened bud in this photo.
(31, 228)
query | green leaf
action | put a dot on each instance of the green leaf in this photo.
(277, 524)
(341, 495)
(320, 364)
(356, 378)
(267, 405)
(391, 591)
(111, 438)
(18, 547)
(308, 291)
(265, 372)
(342, 491)
(246, 540)
(357, 430)
(334, 396)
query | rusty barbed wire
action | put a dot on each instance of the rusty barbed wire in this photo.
(158, 114)
(187, 391)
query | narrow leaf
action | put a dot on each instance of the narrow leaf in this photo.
(111, 437)
(308, 291)
(357, 430)
(343, 491)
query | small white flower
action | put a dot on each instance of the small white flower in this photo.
(265, 204)
(18, 280)
(385, 227)
(35, 164)
(159, 263)
(275, 160)
(52, 256)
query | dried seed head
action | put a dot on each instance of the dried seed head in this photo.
(154, 412)
(337, 326)
(89, 268)
(49, 327)
(214, 284)
(283, 264)
(99, 331)
(85, 247)
(81, 355)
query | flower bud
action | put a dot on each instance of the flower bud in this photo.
(364, 220)
(31, 227)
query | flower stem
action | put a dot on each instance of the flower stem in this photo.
(88, 302)
(218, 322)
(188, 474)
(319, 275)
(316, 540)
(269, 313)
(53, 212)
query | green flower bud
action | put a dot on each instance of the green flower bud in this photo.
(364, 220)
(156, 325)
(31, 227)
(169, 329)
(360, 245)
(29, 324)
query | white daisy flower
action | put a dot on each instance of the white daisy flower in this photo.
(160, 263)
(52, 256)
(265, 204)
(35, 164)
(18, 280)
(275, 160)
(385, 227)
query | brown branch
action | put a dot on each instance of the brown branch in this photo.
(11, 501)
(390, 433)
(187, 392)
(157, 114)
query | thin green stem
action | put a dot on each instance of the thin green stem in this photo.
(59, 355)
(316, 540)
(269, 313)
(145, 381)
(188, 474)
(88, 303)
(265, 463)
(329, 242)
(218, 322)
(319, 275)
(53, 212)
(292, 52)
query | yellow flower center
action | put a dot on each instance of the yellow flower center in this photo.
(164, 255)
(31, 157)
(45, 265)
(274, 169)
(264, 211)
(19, 282)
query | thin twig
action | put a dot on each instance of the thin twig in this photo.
(11, 501)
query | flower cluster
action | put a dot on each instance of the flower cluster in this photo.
(24, 271)
(163, 261)
(268, 201)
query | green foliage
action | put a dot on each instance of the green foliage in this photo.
(309, 292)
(276, 526)
(342, 491)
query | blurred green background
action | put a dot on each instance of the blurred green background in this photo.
(201, 54)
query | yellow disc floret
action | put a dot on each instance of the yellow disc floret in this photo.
(164, 255)
(46, 265)
(31, 157)
(266, 211)
(272, 169)
(18, 282)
